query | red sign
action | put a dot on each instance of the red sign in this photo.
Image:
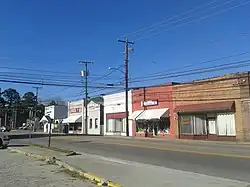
(75, 110)
(120, 115)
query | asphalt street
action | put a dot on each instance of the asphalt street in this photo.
(230, 161)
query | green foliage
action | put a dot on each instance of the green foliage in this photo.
(12, 103)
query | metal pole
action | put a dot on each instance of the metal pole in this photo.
(49, 134)
(5, 118)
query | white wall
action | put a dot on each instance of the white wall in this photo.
(115, 103)
(94, 112)
(75, 107)
(50, 111)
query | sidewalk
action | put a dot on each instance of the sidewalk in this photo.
(133, 174)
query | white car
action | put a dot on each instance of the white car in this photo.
(4, 140)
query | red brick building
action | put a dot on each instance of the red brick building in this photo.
(153, 111)
(214, 108)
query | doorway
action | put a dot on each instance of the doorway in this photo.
(212, 126)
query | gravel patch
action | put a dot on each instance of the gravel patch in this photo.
(17, 170)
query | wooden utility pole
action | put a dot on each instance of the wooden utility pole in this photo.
(85, 74)
(126, 42)
(37, 90)
(35, 107)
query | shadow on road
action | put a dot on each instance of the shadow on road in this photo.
(77, 142)
(18, 145)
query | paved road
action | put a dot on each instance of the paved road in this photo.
(19, 170)
(229, 161)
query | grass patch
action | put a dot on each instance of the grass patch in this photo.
(51, 148)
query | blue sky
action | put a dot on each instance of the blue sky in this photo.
(54, 35)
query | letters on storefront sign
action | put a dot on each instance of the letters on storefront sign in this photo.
(186, 121)
(149, 103)
(75, 110)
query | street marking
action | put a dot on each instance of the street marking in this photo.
(183, 151)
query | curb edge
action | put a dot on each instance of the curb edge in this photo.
(89, 176)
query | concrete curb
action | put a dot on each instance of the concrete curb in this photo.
(89, 176)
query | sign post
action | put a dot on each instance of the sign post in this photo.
(50, 123)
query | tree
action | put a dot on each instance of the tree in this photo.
(52, 103)
(29, 99)
(11, 97)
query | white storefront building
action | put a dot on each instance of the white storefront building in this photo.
(95, 118)
(115, 114)
(57, 113)
(75, 117)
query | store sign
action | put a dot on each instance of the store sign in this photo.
(75, 110)
(186, 121)
(149, 103)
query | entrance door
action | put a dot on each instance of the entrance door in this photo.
(211, 126)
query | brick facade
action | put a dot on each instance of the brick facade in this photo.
(161, 93)
(233, 87)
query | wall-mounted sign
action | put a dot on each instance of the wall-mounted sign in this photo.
(186, 121)
(149, 103)
(75, 110)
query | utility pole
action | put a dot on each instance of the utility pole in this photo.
(35, 111)
(85, 74)
(37, 90)
(126, 42)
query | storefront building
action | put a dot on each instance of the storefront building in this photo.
(57, 113)
(95, 118)
(115, 114)
(153, 111)
(73, 123)
(213, 109)
(212, 121)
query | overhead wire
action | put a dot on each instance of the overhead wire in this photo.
(220, 67)
(165, 22)
(194, 20)
(197, 63)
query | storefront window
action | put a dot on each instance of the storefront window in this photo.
(193, 124)
(164, 126)
(90, 123)
(186, 124)
(200, 125)
(141, 126)
(96, 123)
(114, 125)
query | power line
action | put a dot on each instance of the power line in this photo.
(194, 20)
(166, 20)
(51, 84)
(232, 65)
(197, 63)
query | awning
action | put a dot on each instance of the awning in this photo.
(206, 107)
(153, 114)
(135, 114)
(73, 119)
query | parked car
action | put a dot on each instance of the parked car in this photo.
(5, 129)
(4, 140)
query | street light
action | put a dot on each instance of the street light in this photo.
(117, 68)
